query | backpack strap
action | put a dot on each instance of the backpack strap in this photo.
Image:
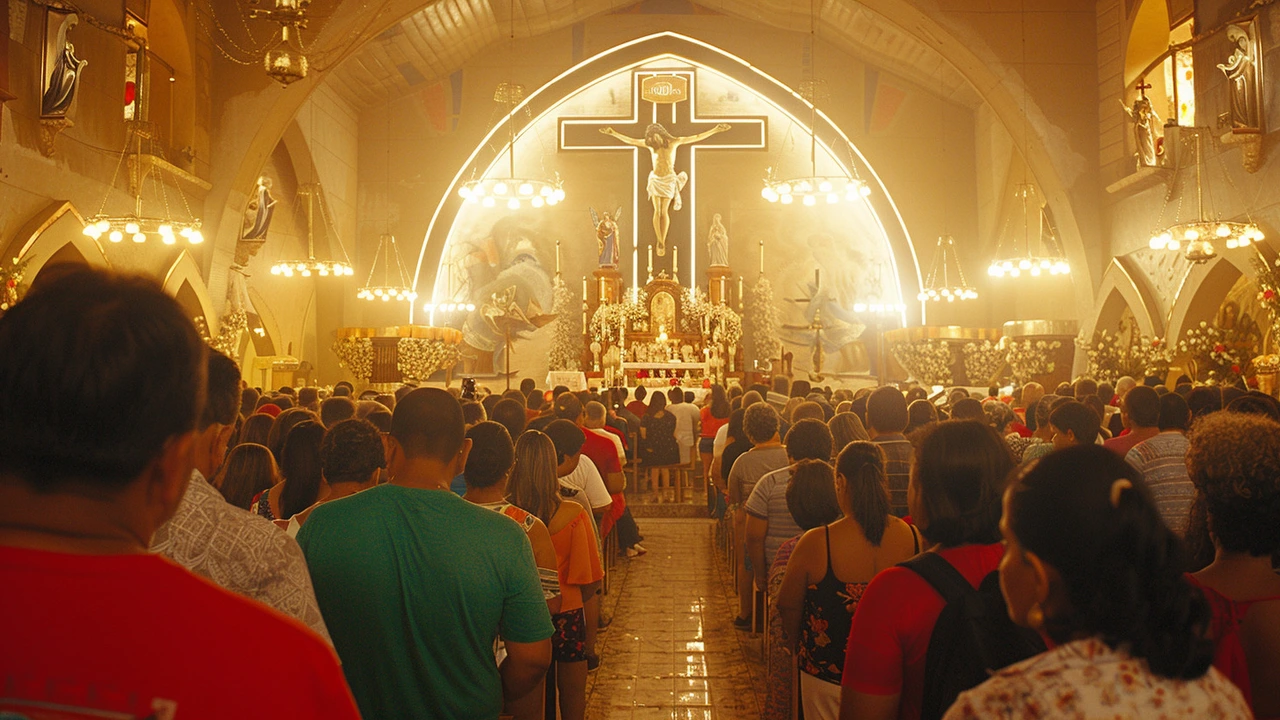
(941, 575)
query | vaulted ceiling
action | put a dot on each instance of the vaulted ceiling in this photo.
(440, 38)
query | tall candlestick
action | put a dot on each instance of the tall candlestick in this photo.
(650, 261)
(762, 257)
(675, 262)
(557, 257)
(740, 296)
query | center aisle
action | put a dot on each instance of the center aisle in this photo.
(672, 651)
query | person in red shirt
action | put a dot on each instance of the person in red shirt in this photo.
(955, 499)
(96, 450)
(638, 406)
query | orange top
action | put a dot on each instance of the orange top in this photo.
(710, 423)
(578, 558)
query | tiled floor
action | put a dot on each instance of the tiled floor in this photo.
(672, 651)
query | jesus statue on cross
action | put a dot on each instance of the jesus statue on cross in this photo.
(664, 183)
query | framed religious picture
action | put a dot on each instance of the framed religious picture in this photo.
(61, 68)
(1242, 66)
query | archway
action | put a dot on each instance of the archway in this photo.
(52, 236)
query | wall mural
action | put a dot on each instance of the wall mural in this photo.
(494, 250)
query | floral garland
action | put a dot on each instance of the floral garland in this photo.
(928, 361)
(609, 319)
(763, 317)
(982, 362)
(1109, 359)
(11, 290)
(356, 355)
(1218, 356)
(418, 359)
(566, 337)
(1030, 358)
(1268, 279)
(230, 330)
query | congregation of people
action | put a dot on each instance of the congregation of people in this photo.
(174, 543)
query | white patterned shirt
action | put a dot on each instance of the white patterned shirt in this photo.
(1087, 679)
(240, 551)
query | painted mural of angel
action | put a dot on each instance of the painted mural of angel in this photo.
(607, 239)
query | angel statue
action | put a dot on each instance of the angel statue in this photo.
(1145, 124)
(665, 183)
(718, 243)
(606, 237)
(261, 208)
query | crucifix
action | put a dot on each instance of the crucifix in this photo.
(667, 99)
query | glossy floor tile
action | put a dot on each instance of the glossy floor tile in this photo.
(671, 652)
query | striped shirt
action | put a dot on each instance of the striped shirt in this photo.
(768, 502)
(1162, 460)
(899, 456)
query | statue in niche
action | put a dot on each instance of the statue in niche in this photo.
(664, 183)
(260, 210)
(1146, 125)
(1241, 70)
(62, 66)
(718, 243)
(606, 237)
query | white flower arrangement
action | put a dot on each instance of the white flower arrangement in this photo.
(1109, 359)
(1029, 358)
(928, 361)
(609, 319)
(356, 355)
(566, 338)
(1220, 353)
(982, 361)
(418, 359)
(232, 328)
(762, 315)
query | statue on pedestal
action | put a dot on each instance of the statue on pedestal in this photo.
(261, 208)
(1145, 125)
(718, 243)
(606, 237)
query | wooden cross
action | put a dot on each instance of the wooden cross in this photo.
(1143, 86)
(678, 114)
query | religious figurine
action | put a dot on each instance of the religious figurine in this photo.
(1241, 71)
(262, 208)
(606, 237)
(64, 72)
(1145, 124)
(718, 243)
(665, 183)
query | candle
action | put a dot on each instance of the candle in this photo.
(675, 262)
(740, 296)
(650, 261)
(584, 289)
(762, 257)
(557, 257)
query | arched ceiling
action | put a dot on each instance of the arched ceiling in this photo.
(437, 40)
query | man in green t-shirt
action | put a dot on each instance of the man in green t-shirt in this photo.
(415, 583)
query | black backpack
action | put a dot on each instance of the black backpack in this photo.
(972, 638)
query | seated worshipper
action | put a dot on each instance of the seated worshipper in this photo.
(714, 416)
(301, 478)
(248, 401)
(748, 399)
(472, 413)
(659, 447)
(1235, 465)
(510, 414)
(380, 419)
(1093, 403)
(886, 419)
(352, 458)
(920, 414)
(845, 428)
(736, 444)
(960, 472)
(336, 409)
(416, 583)
(830, 568)
(808, 410)
(533, 487)
(687, 418)
(811, 498)
(1162, 462)
(249, 470)
(999, 416)
(1204, 400)
(769, 522)
(309, 398)
(968, 409)
(1070, 423)
(214, 539)
(1089, 564)
(780, 393)
(760, 425)
(256, 429)
(94, 624)
(1256, 403)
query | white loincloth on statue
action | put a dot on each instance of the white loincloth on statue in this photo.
(668, 186)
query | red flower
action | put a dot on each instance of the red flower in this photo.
(1268, 294)
(1219, 348)
(1155, 343)
(1235, 369)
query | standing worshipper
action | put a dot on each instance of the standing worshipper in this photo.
(1162, 462)
(417, 583)
(886, 420)
(687, 419)
(1140, 414)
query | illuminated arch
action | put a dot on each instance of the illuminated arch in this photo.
(55, 235)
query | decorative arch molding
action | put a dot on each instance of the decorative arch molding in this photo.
(43, 237)
(1123, 287)
(995, 81)
(1203, 291)
(267, 317)
(186, 271)
(660, 46)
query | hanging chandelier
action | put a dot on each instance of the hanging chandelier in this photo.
(1049, 259)
(137, 225)
(285, 60)
(813, 188)
(309, 266)
(943, 261)
(1195, 238)
(387, 291)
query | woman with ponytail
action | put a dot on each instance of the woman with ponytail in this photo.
(1090, 565)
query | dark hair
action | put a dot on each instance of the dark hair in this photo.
(960, 472)
(1085, 387)
(535, 400)
(781, 384)
(380, 419)
(351, 451)
(336, 409)
(222, 391)
(98, 372)
(916, 393)
(641, 392)
(867, 488)
(528, 385)
(1255, 403)
(736, 430)
(472, 412)
(308, 396)
(1204, 400)
(811, 494)
(809, 439)
(1234, 462)
(1093, 403)
(342, 390)
(919, 414)
(760, 422)
(719, 402)
(1079, 419)
(1174, 413)
(968, 409)
(284, 422)
(428, 423)
(248, 401)
(510, 414)
(800, 388)
(249, 470)
(284, 402)
(492, 455)
(568, 407)
(1120, 564)
(256, 429)
(657, 404)
(1064, 390)
(1142, 405)
(300, 466)
(886, 410)
(1106, 391)
(845, 428)
(568, 438)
